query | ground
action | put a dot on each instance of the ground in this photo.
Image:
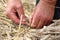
(12, 31)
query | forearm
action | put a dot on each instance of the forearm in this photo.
(46, 6)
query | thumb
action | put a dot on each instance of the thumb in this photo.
(21, 13)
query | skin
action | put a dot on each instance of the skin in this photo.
(41, 15)
(15, 7)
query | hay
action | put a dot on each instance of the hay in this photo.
(12, 31)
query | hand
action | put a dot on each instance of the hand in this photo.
(42, 14)
(14, 10)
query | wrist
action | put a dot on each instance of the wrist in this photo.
(12, 0)
(48, 2)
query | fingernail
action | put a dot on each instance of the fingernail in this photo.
(23, 21)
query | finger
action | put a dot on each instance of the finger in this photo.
(33, 12)
(21, 12)
(31, 17)
(12, 16)
(23, 19)
(47, 23)
(30, 20)
(35, 22)
(40, 24)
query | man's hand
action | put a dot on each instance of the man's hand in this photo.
(14, 10)
(43, 14)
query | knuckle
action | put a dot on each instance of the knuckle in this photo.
(7, 13)
(8, 10)
(18, 6)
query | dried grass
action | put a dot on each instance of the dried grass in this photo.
(12, 31)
